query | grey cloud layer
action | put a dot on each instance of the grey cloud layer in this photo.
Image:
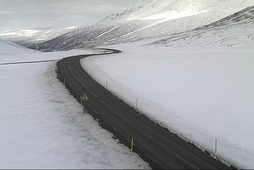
(24, 14)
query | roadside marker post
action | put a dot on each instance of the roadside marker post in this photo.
(132, 143)
(81, 100)
(216, 145)
(136, 103)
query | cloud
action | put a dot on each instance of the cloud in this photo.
(25, 14)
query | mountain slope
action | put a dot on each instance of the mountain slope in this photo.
(34, 36)
(154, 19)
(235, 30)
(8, 48)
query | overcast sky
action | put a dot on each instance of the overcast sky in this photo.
(27, 14)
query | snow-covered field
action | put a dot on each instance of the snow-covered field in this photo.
(201, 95)
(199, 84)
(43, 126)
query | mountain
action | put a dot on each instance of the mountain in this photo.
(154, 19)
(34, 36)
(233, 31)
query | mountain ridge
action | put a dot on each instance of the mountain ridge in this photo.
(121, 27)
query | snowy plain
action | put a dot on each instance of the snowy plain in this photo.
(200, 86)
(43, 126)
(200, 95)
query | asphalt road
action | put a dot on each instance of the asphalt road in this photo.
(155, 144)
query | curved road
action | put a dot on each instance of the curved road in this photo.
(155, 144)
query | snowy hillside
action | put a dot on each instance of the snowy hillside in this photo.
(233, 31)
(198, 83)
(154, 19)
(15, 49)
(34, 36)
(11, 53)
(138, 12)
